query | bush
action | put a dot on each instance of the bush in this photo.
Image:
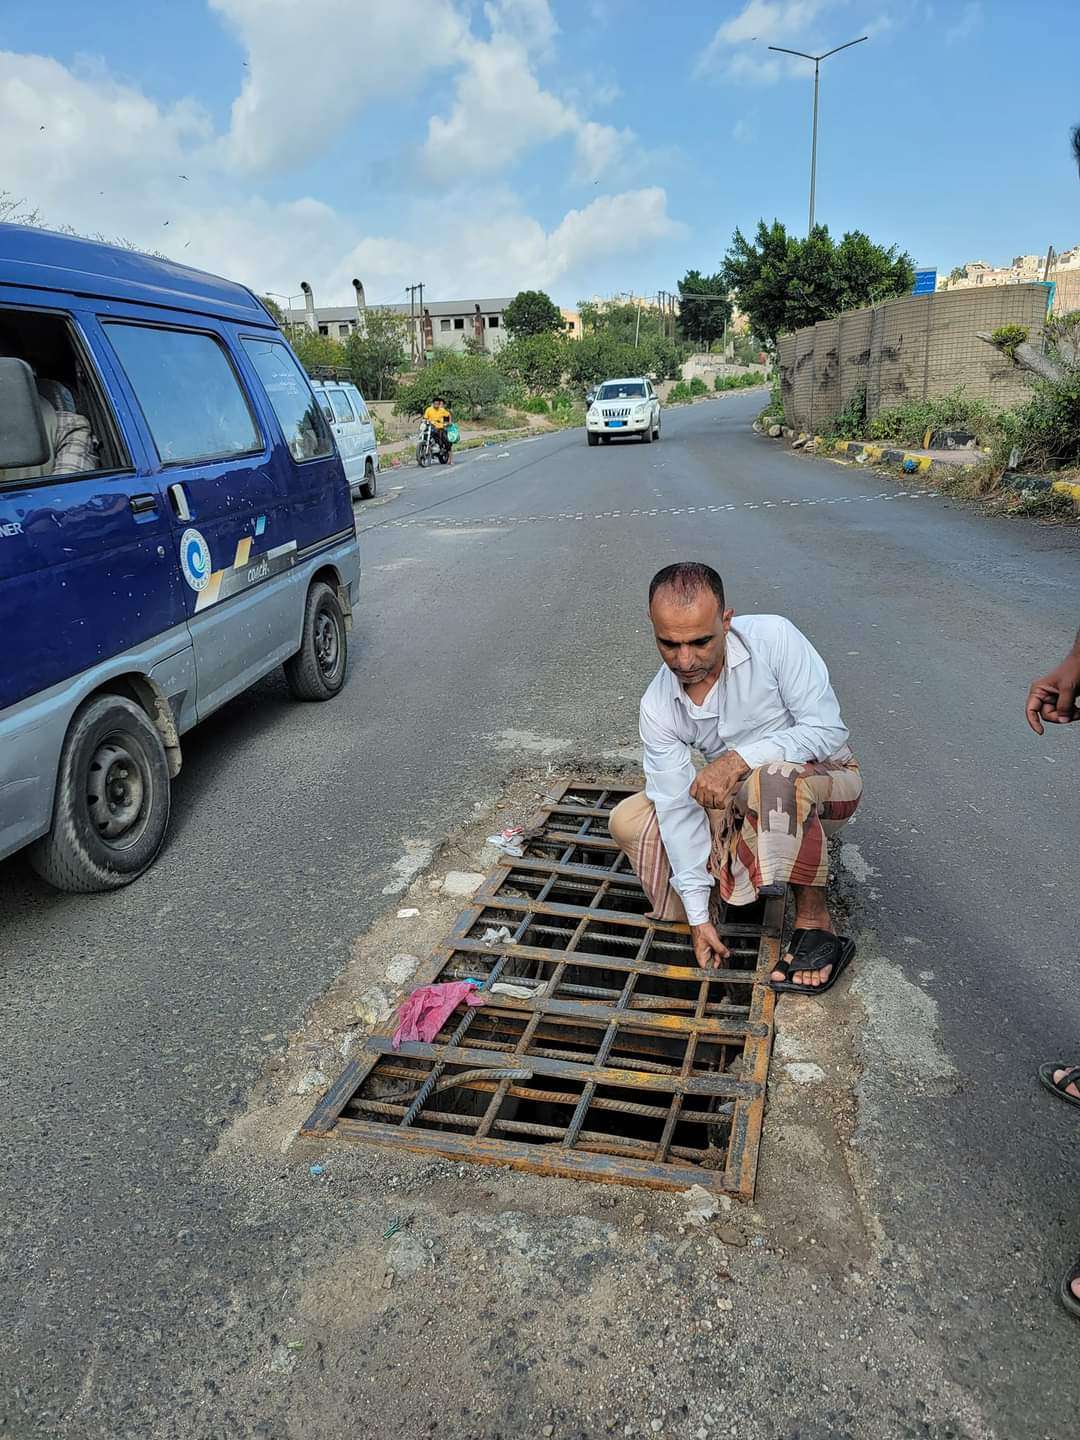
(680, 394)
(739, 382)
(773, 414)
(907, 424)
(698, 386)
(535, 405)
(1008, 337)
(850, 423)
(471, 384)
(1044, 432)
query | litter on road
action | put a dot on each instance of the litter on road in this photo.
(424, 1013)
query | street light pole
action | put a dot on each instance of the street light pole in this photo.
(817, 59)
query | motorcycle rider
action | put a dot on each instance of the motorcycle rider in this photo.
(438, 417)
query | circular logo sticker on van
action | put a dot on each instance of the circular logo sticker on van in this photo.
(195, 559)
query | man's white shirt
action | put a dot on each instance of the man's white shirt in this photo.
(774, 701)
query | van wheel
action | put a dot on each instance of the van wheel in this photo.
(371, 484)
(112, 800)
(317, 670)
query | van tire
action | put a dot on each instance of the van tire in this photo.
(317, 670)
(371, 484)
(110, 736)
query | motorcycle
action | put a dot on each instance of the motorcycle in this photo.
(428, 447)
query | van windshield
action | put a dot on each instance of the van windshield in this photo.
(624, 390)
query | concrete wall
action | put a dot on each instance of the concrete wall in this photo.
(706, 367)
(910, 348)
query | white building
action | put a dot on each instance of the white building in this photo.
(438, 325)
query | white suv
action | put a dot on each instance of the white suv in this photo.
(623, 407)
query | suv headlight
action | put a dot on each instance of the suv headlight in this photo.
(640, 411)
(594, 413)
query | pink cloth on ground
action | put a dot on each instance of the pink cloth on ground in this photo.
(422, 1015)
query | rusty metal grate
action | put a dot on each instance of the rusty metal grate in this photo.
(631, 1065)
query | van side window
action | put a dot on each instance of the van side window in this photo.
(83, 435)
(302, 422)
(342, 409)
(189, 393)
(325, 406)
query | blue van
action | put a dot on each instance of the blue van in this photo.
(175, 522)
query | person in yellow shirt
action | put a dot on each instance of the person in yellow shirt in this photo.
(438, 417)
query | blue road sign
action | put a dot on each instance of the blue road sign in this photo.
(925, 282)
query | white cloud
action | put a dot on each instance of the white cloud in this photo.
(601, 150)
(969, 20)
(529, 21)
(102, 136)
(499, 111)
(311, 68)
(503, 250)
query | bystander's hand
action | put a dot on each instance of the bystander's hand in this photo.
(710, 952)
(718, 781)
(1053, 698)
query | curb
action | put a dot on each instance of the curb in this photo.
(1067, 487)
(910, 464)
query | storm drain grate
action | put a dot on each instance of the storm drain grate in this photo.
(628, 1064)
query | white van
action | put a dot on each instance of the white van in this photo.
(348, 417)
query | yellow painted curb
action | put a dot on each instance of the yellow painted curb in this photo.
(1067, 487)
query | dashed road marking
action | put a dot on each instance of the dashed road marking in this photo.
(437, 522)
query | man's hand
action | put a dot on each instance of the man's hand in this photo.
(1053, 698)
(718, 781)
(710, 952)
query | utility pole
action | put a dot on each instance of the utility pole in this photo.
(416, 317)
(1051, 256)
(817, 59)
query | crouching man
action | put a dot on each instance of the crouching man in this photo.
(754, 697)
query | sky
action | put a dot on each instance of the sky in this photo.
(578, 146)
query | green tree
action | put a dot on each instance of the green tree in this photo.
(278, 314)
(531, 312)
(470, 384)
(781, 282)
(958, 272)
(377, 353)
(702, 320)
(316, 351)
(535, 362)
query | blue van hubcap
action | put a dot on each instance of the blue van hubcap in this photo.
(115, 790)
(327, 644)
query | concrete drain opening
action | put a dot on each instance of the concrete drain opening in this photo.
(626, 1063)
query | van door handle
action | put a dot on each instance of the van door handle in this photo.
(140, 504)
(178, 496)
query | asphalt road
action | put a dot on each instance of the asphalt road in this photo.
(502, 620)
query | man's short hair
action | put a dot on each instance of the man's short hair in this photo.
(686, 581)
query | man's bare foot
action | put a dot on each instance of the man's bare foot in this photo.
(1073, 1090)
(811, 913)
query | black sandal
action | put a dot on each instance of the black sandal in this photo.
(1071, 1077)
(1065, 1294)
(813, 950)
